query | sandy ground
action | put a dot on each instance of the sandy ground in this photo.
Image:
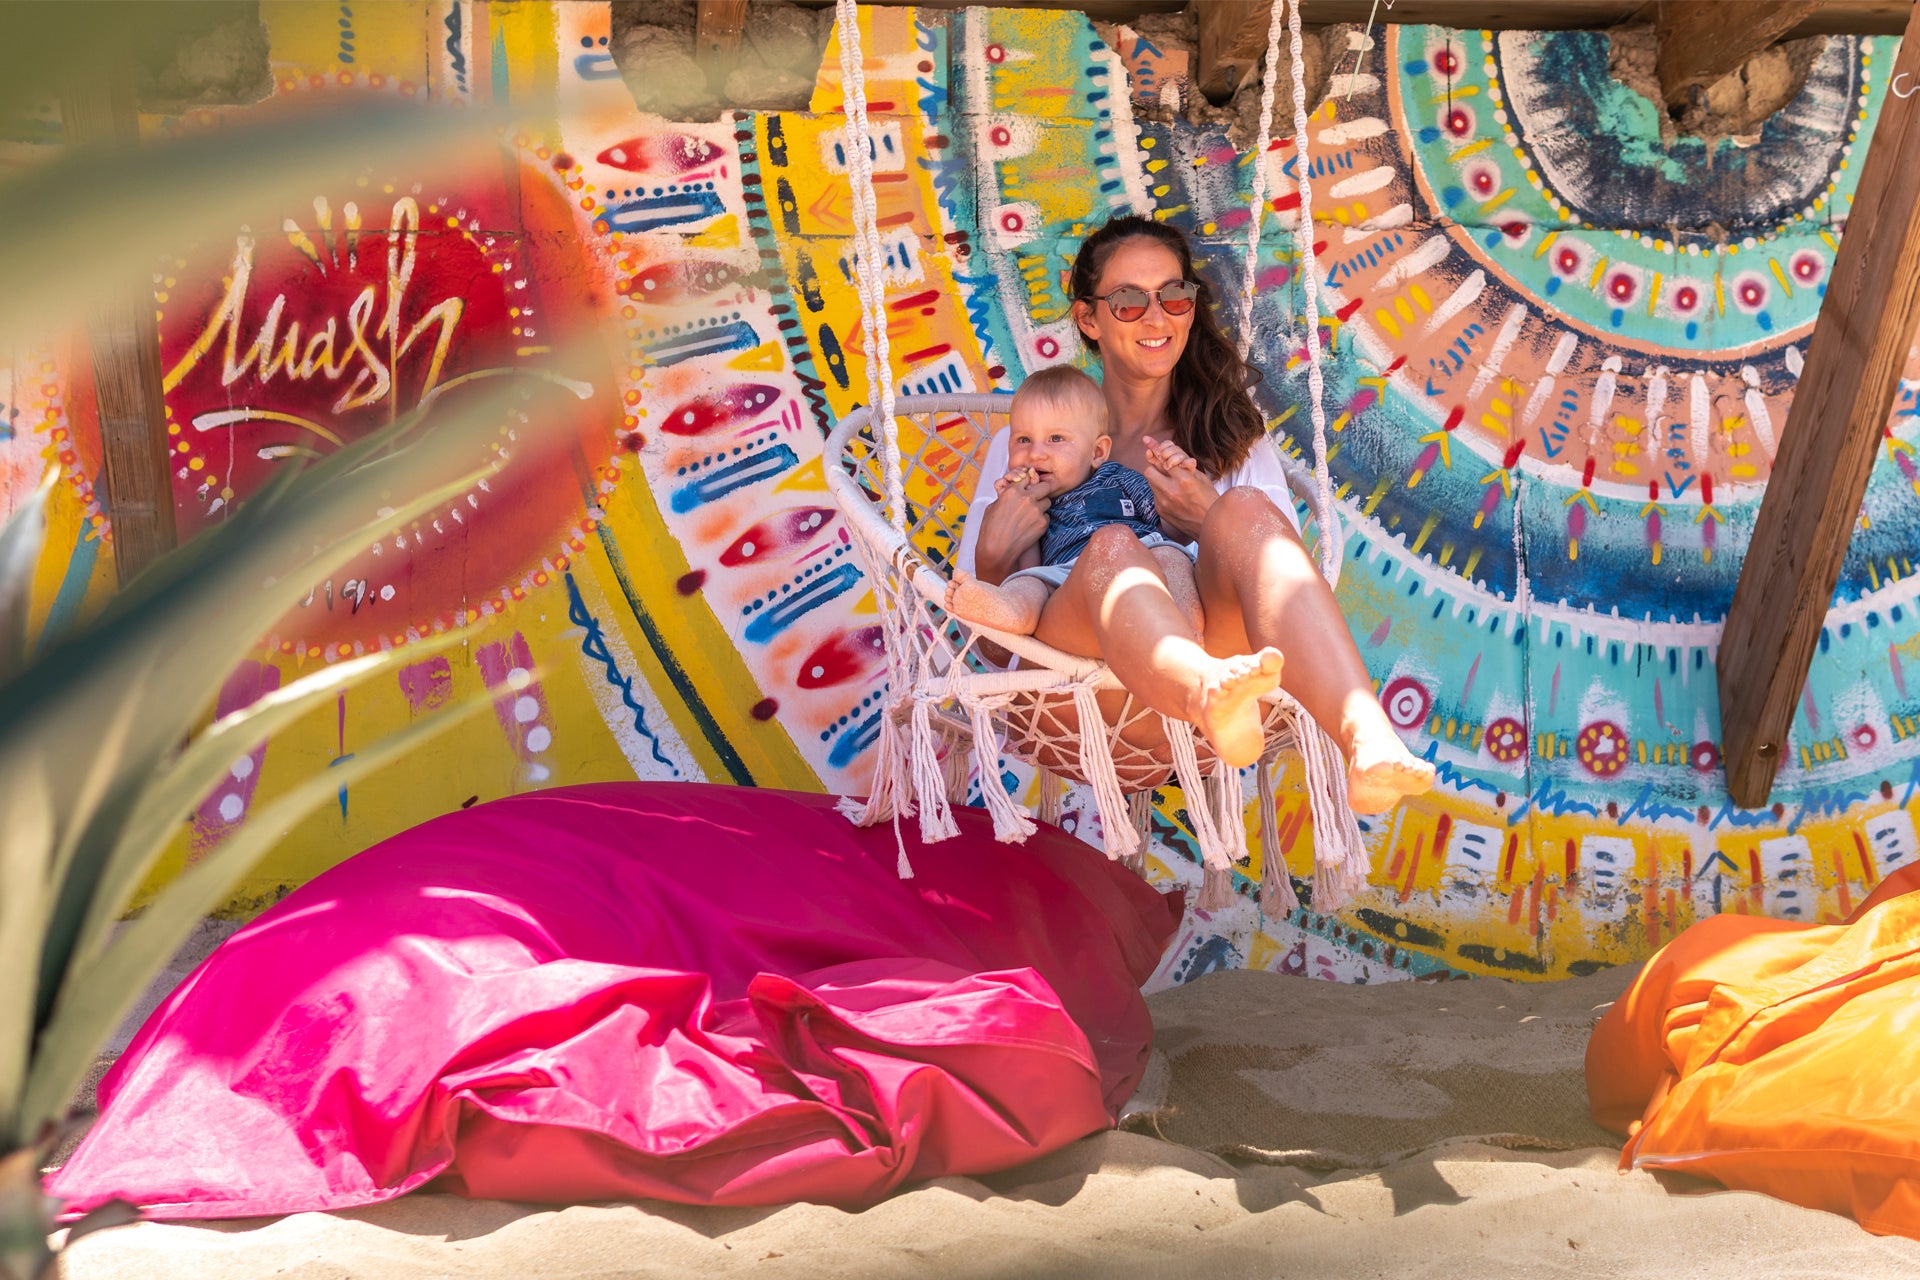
(1288, 1128)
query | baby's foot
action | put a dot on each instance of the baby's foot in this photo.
(990, 606)
(1382, 772)
(1227, 708)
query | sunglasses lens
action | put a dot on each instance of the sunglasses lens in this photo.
(1127, 304)
(1178, 298)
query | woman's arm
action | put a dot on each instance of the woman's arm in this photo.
(1182, 496)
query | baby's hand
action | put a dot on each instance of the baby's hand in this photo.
(1168, 456)
(1013, 479)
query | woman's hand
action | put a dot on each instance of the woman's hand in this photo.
(1181, 494)
(1010, 526)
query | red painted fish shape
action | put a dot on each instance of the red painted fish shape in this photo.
(728, 408)
(668, 282)
(786, 531)
(843, 656)
(668, 154)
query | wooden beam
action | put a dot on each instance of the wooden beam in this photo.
(1840, 409)
(123, 336)
(1233, 40)
(1702, 40)
(717, 26)
(1838, 17)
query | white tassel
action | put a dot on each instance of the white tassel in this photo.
(1340, 862)
(903, 867)
(1140, 806)
(1231, 812)
(957, 767)
(1096, 765)
(889, 782)
(1049, 786)
(1214, 854)
(929, 783)
(1012, 824)
(1277, 898)
(1216, 890)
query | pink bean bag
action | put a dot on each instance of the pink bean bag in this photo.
(706, 994)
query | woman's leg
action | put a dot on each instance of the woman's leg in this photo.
(1116, 604)
(1259, 587)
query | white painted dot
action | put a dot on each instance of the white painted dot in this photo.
(386, 592)
(231, 807)
(746, 548)
(816, 673)
(539, 738)
(518, 678)
(525, 710)
(538, 773)
(242, 768)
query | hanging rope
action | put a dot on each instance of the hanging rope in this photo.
(926, 672)
(1284, 17)
(1331, 550)
(869, 278)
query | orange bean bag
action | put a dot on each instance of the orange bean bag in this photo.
(1778, 1057)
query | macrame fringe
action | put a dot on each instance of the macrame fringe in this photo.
(1340, 863)
(1216, 852)
(1049, 785)
(1011, 822)
(1277, 898)
(889, 781)
(1096, 765)
(956, 766)
(1140, 808)
(929, 779)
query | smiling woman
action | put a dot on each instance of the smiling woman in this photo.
(1175, 388)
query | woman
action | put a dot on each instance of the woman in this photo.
(1176, 389)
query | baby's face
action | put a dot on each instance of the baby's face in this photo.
(1059, 443)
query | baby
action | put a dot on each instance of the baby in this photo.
(1058, 445)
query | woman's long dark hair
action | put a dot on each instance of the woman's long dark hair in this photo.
(1213, 418)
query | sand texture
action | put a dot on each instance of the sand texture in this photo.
(1288, 1128)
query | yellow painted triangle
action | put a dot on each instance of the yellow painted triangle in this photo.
(866, 604)
(765, 356)
(723, 234)
(811, 475)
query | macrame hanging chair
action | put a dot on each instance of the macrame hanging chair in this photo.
(903, 470)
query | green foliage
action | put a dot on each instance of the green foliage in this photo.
(104, 752)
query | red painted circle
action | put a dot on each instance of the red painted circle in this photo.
(283, 345)
(1602, 748)
(1506, 740)
(1407, 702)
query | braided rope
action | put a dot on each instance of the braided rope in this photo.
(1331, 550)
(868, 278)
(1260, 147)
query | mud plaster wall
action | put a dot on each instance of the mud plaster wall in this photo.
(1562, 348)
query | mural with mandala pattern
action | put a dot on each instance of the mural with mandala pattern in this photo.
(1562, 351)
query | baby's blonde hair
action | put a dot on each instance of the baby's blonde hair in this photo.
(1064, 387)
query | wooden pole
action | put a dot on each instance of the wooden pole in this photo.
(1840, 409)
(123, 335)
(1233, 37)
(717, 26)
(1702, 40)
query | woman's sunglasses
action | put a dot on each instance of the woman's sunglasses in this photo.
(1129, 302)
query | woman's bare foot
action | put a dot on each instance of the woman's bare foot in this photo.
(1227, 706)
(1012, 607)
(1381, 772)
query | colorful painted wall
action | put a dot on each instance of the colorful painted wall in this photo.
(1563, 351)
